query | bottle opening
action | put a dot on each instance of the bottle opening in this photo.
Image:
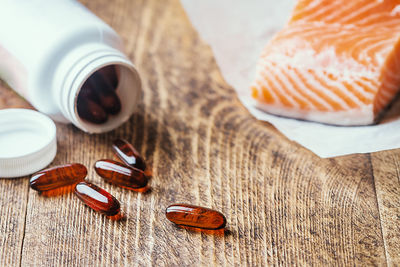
(96, 88)
(107, 98)
(98, 98)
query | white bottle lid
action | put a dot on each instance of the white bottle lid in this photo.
(28, 142)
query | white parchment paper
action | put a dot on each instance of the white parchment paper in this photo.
(237, 31)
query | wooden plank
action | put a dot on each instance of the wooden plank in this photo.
(13, 198)
(386, 169)
(284, 205)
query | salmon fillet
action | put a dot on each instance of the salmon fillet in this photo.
(336, 62)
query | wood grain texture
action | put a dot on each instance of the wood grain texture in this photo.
(284, 205)
(386, 169)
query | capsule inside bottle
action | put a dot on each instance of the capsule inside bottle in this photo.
(194, 216)
(129, 155)
(98, 199)
(121, 175)
(112, 74)
(59, 179)
(105, 92)
(98, 98)
(89, 109)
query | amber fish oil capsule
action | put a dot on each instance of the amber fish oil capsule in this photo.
(128, 154)
(195, 216)
(59, 179)
(98, 199)
(110, 73)
(97, 98)
(105, 93)
(121, 175)
(88, 107)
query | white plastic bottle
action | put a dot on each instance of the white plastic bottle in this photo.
(48, 50)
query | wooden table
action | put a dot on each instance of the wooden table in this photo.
(284, 205)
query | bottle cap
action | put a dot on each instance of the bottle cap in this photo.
(28, 142)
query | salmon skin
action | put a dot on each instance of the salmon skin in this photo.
(335, 62)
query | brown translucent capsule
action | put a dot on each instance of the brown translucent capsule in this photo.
(219, 232)
(128, 154)
(195, 216)
(87, 92)
(110, 73)
(121, 175)
(59, 179)
(105, 92)
(89, 109)
(98, 199)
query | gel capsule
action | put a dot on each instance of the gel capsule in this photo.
(111, 75)
(98, 199)
(105, 92)
(59, 179)
(121, 175)
(89, 109)
(195, 216)
(128, 154)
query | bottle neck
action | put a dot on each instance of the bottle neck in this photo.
(78, 66)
